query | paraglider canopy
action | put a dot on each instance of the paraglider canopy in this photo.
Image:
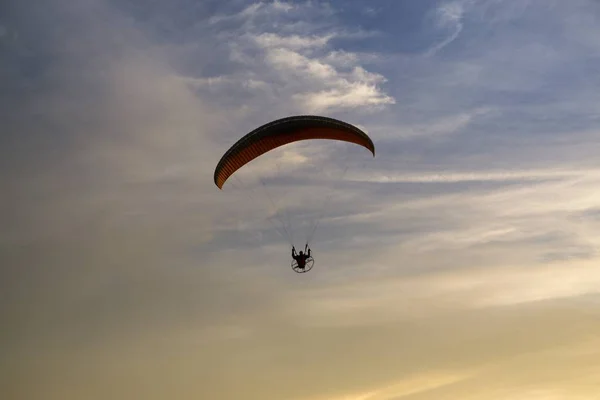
(284, 131)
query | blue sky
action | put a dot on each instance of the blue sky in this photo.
(461, 262)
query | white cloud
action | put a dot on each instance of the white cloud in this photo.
(301, 65)
(481, 176)
(347, 95)
(285, 60)
(449, 16)
(352, 89)
(295, 42)
(257, 9)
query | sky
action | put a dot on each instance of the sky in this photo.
(460, 263)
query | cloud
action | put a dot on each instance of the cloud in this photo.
(96, 157)
(482, 176)
(302, 64)
(404, 388)
(463, 254)
(295, 42)
(257, 9)
(449, 15)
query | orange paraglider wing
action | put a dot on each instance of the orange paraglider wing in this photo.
(284, 131)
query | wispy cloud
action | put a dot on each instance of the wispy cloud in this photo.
(404, 388)
(302, 64)
(296, 42)
(482, 176)
(449, 16)
(257, 9)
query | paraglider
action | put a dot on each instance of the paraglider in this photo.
(303, 262)
(282, 132)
